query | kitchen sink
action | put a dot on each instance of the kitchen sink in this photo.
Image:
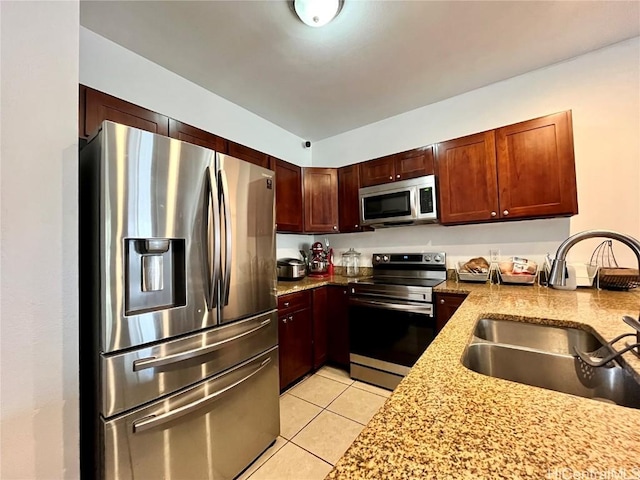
(540, 337)
(540, 355)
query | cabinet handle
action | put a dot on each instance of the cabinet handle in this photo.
(442, 301)
(291, 318)
(493, 214)
(391, 177)
(284, 320)
(506, 212)
(356, 225)
(398, 176)
(335, 227)
(286, 304)
(344, 291)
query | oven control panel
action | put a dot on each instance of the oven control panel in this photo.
(429, 258)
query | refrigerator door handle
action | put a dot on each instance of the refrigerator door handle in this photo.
(215, 271)
(224, 188)
(153, 421)
(152, 362)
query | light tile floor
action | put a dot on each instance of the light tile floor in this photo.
(319, 418)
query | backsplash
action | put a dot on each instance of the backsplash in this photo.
(528, 238)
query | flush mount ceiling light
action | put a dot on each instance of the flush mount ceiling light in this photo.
(317, 13)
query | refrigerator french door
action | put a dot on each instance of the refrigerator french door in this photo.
(177, 278)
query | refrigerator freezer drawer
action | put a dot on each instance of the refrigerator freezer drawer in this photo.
(212, 430)
(139, 376)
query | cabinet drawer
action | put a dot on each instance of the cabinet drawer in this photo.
(294, 301)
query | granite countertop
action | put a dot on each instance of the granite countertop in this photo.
(445, 421)
(285, 287)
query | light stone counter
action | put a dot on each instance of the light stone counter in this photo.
(445, 421)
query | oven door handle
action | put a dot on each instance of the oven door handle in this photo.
(402, 307)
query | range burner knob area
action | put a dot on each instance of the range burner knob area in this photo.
(385, 258)
(437, 258)
(377, 258)
(427, 258)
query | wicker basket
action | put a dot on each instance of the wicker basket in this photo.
(610, 276)
(618, 278)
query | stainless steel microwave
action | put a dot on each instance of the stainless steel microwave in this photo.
(407, 202)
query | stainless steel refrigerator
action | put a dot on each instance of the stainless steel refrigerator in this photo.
(179, 345)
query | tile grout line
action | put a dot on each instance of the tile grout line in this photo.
(322, 409)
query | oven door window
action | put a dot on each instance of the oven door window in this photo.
(389, 205)
(392, 336)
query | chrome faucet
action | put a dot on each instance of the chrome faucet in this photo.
(557, 276)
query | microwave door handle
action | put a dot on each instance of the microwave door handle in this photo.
(153, 421)
(421, 309)
(224, 190)
(214, 270)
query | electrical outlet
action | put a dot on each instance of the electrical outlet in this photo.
(494, 254)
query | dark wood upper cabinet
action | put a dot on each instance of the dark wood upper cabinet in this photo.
(378, 171)
(99, 106)
(414, 163)
(320, 200)
(247, 154)
(525, 170)
(399, 166)
(467, 179)
(536, 168)
(289, 211)
(187, 133)
(348, 202)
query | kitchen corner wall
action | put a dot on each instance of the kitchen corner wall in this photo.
(602, 88)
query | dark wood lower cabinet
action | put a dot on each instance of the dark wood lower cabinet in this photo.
(446, 306)
(338, 326)
(320, 314)
(295, 332)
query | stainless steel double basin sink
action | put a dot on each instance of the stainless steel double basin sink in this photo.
(543, 356)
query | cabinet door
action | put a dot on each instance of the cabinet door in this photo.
(536, 168)
(194, 135)
(320, 311)
(414, 163)
(320, 200)
(247, 154)
(295, 348)
(348, 203)
(288, 196)
(446, 306)
(100, 106)
(377, 172)
(338, 326)
(466, 170)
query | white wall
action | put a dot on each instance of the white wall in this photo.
(111, 68)
(38, 231)
(603, 90)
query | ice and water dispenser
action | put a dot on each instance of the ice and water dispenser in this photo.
(155, 274)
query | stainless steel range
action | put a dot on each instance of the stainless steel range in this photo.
(391, 316)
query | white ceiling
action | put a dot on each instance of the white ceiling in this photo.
(375, 60)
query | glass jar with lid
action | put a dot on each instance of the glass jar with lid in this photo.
(351, 263)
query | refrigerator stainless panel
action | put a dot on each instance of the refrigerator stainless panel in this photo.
(153, 188)
(249, 274)
(212, 430)
(139, 376)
